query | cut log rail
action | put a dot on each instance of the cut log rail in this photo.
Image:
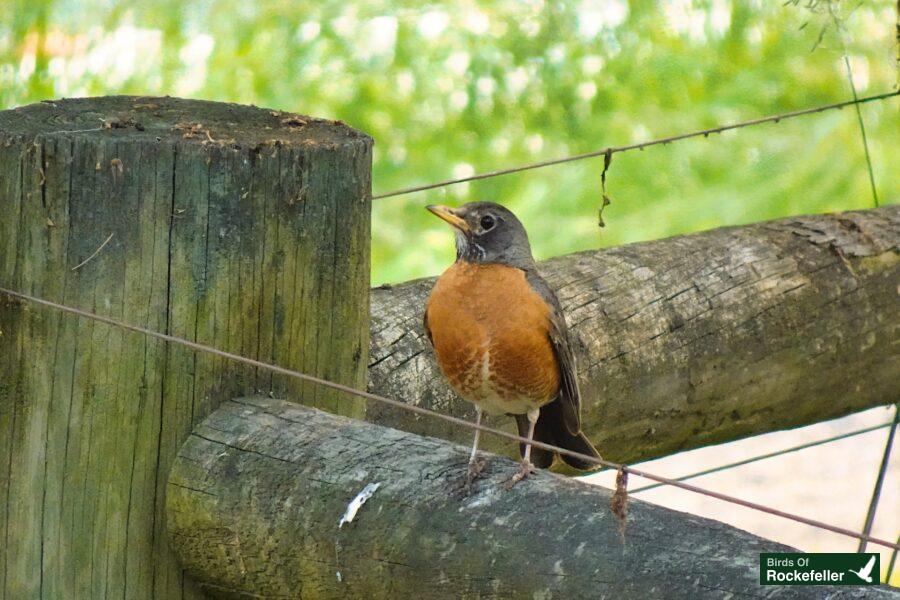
(257, 493)
(696, 339)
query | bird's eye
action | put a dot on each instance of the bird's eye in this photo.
(487, 222)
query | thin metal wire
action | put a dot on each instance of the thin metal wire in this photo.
(616, 149)
(747, 461)
(890, 569)
(862, 131)
(879, 481)
(839, 26)
(448, 418)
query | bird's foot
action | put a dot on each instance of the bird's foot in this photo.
(475, 470)
(525, 470)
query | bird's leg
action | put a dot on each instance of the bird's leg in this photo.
(474, 454)
(526, 467)
(475, 466)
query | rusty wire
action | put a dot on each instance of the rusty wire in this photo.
(609, 151)
(759, 457)
(448, 418)
(879, 480)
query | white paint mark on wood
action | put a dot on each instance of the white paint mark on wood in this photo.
(357, 502)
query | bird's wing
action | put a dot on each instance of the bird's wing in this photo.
(427, 328)
(869, 565)
(569, 394)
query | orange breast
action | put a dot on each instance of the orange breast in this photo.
(490, 334)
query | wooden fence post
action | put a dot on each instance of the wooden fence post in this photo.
(239, 227)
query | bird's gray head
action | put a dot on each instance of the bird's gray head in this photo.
(487, 233)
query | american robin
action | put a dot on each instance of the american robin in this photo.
(501, 339)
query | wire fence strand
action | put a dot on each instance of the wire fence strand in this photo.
(760, 457)
(839, 26)
(879, 480)
(448, 418)
(892, 562)
(639, 146)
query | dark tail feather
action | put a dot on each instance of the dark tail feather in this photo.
(578, 443)
(551, 429)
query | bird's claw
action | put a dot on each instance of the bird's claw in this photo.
(525, 470)
(475, 470)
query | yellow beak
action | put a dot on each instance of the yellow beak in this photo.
(448, 214)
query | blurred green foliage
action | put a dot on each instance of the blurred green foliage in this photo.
(455, 88)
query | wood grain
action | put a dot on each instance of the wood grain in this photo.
(692, 340)
(235, 226)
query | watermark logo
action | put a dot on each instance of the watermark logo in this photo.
(795, 568)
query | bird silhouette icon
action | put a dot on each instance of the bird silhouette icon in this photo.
(866, 572)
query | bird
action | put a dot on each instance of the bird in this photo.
(501, 340)
(866, 572)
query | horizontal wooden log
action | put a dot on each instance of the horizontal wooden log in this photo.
(258, 492)
(693, 340)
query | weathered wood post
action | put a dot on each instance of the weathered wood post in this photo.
(240, 227)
